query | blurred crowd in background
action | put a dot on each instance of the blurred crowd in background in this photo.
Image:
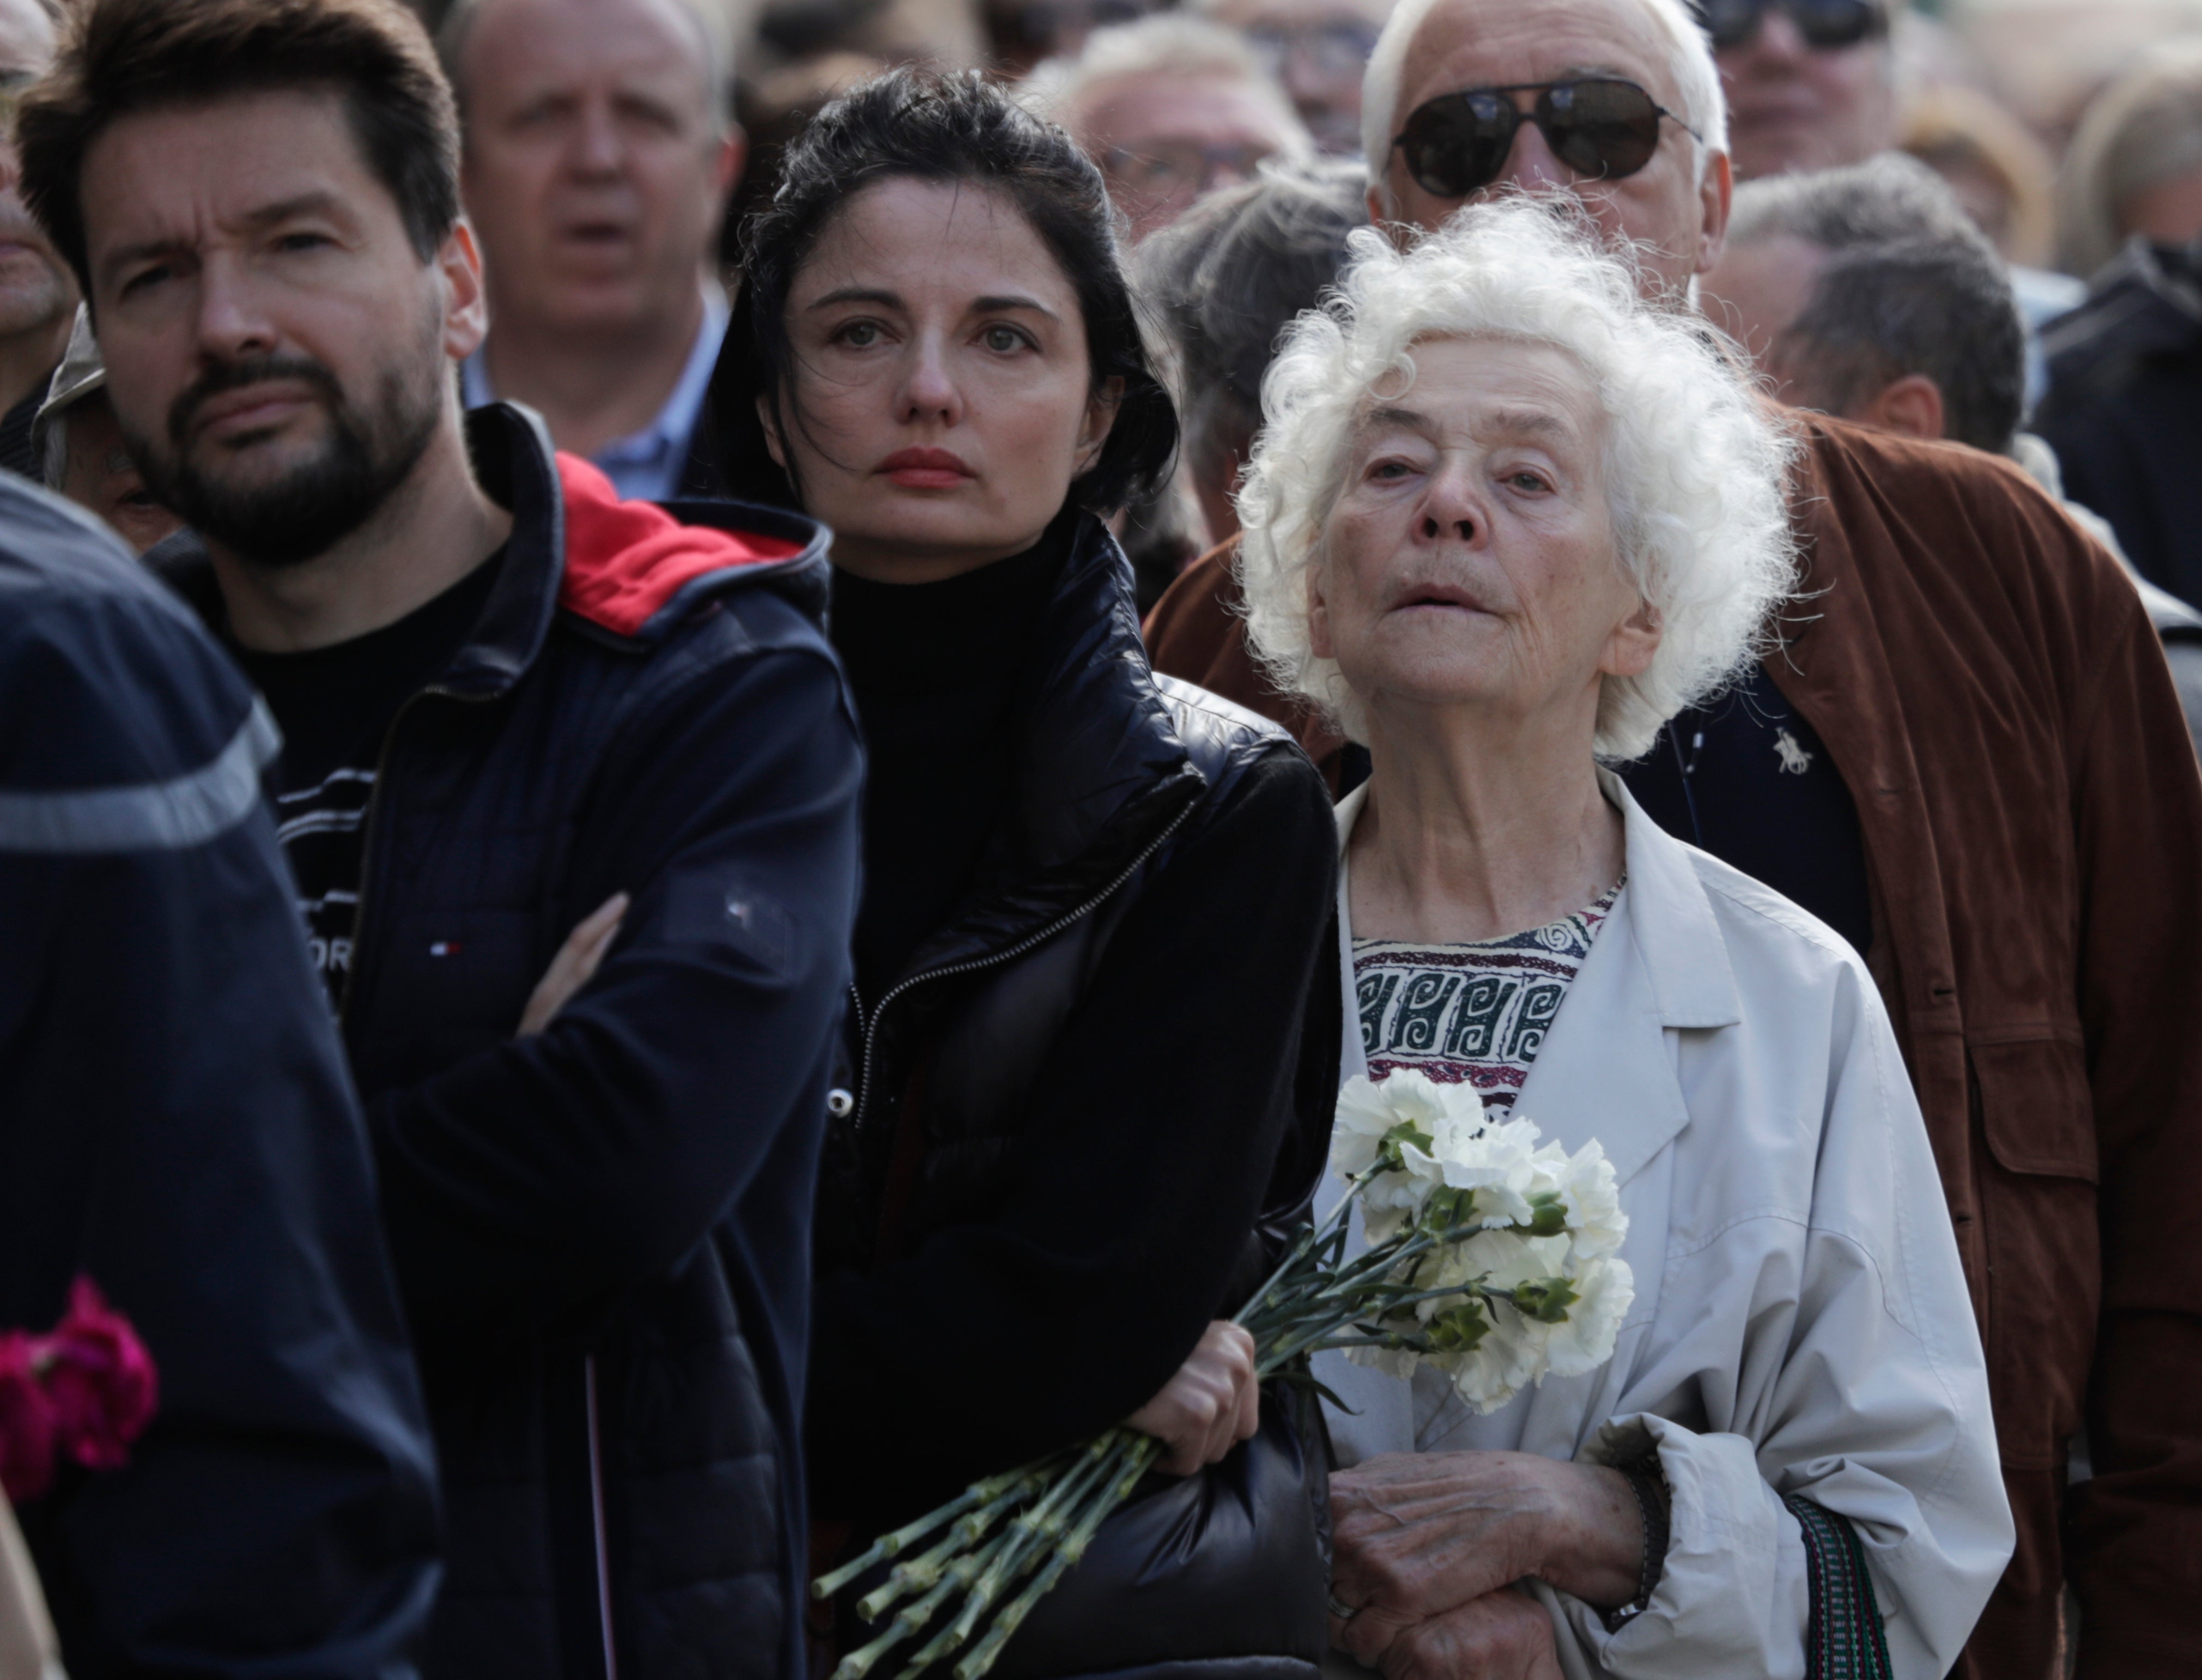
(2068, 131)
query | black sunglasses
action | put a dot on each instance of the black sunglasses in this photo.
(1457, 143)
(1822, 23)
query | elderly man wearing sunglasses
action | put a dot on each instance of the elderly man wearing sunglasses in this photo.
(1812, 83)
(1952, 755)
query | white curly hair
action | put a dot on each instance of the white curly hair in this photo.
(1695, 466)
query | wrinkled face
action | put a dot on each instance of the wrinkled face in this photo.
(278, 354)
(596, 169)
(1163, 141)
(1317, 49)
(98, 474)
(36, 288)
(1469, 562)
(1793, 107)
(941, 398)
(1666, 206)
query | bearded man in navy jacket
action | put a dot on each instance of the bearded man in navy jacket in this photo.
(569, 789)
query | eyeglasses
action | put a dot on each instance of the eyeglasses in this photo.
(1599, 126)
(1165, 167)
(1822, 23)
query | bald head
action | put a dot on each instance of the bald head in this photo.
(598, 156)
(1674, 211)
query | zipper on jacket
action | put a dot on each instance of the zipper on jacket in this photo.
(994, 959)
(603, 1546)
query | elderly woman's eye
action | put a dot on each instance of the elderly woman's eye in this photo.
(1527, 481)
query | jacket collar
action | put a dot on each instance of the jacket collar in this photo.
(1100, 775)
(1606, 1070)
(638, 572)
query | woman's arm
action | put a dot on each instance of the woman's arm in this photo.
(1156, 1124)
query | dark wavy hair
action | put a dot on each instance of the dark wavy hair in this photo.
(958, 128)
(118, 57)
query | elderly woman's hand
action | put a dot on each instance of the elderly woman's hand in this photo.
(1503, 1635)
(1420, 1536)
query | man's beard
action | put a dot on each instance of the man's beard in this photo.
(315, 504)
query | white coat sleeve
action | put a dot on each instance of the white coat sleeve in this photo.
(1858, 1384)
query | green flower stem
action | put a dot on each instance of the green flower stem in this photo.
(919, 1573)
(909, 1622)
(1033, 1528)
(1142, 1454)
(967, 1571)
(891, 1545)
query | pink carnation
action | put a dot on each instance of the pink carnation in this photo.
(26, 1422)
(99, 1379)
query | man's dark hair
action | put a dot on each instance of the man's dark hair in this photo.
(957, 128)
(1942, 307)
(124, 57)
(1230, 276)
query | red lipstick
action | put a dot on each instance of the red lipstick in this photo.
(925, 469)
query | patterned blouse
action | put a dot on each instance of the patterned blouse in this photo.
(1477, 1011)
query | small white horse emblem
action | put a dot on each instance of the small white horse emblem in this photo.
(1795, 760)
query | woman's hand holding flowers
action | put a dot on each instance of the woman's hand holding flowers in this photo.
(1422, 1539)
(1212, 1404)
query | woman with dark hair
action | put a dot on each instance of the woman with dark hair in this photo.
(1093, 1046)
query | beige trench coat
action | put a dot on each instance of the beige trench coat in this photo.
(1801, 1324)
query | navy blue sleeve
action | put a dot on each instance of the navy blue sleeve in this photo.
(542, 1177)
(176, 1123)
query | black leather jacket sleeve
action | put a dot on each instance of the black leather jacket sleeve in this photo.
(536, 1181)
(176, 1123)
(1162, 1112)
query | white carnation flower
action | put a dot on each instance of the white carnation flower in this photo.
(1496, 1165)
(1369, 1112)
(1607, 1287)
(1593, 1199)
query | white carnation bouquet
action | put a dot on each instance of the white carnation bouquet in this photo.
(1490, 1256)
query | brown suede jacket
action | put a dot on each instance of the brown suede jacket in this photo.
(1991, 689)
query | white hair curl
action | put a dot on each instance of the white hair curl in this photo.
(1694, 467)
(1689, 61)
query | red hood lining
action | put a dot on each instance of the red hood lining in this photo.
(626, 560)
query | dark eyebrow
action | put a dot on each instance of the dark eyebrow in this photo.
(985, 305)
(857, 294)
(268, 216)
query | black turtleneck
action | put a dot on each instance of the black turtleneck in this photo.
(937, 669)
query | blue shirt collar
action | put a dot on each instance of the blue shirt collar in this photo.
(644, 466)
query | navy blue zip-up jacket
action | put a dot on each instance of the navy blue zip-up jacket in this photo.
(603, 1231)
(176, 1124)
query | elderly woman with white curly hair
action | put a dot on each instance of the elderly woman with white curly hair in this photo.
(1504, 520)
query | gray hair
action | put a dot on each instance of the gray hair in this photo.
(1689, 58)
(1911, 286)
(1228, 278)
(715, 34)
(1885, 198)
(1162, 43)
(2143, 127)
(1695, 468)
